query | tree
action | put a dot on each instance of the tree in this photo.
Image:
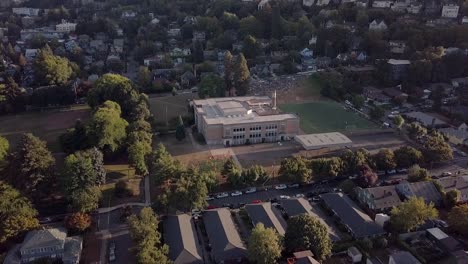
(295, 169)
(115, 88)
(228, 71)
(11, 95)
(229, 166)
(451, 198)
(250, 47)
(190, 192)
(419, 71)
(352, 161)
(144, 78)
(436, 149)
(376, 112)
(107, 128)
(411, 214)
(211, 85)
(305, 232)
(367, 177)
(75, 138)
(144, 231)
(264, 245)
(416, 174)
(30, 167)
(254, 174)
(4, 147)
(163, 166)
(180, 130)
(326, 167)
(78, 173)
(415, 130)
(385, 159)
(137, 152)
(197, 54)
(407, 156)
(51, 69)
(358, 101)
(85, 200)
(458, 219)
(17, 214)
(78, 222)
(241, 76)
(398, 121)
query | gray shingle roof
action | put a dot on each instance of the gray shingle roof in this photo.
(43, 238)
(266, 214)
(225, 241)
(404, 257)
(181, 237)
(358, 222)
(425, 190)
(296, 206)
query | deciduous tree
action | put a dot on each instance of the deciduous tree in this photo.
(458, 219)
(85, 200)
(295, 169)
(4, 147)
(51, 69)
(241, 76)
(264, 245)
(411, 214)
(436, 149)
(367, 177)
(416, 174)
(78, 222)
(407, 156)
(180, 130)
(385, 159)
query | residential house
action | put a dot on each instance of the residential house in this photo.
(397, 47)
(181, 236)
(450, 11)
(425, 190)
(303, 257)
(47, 33)
(403, 257)
(432, 7)
(226, 243)
(47, 243)
(26, 11)
(457, 136)
(379, 199)
(128, 14)
(398, 68)
(464, 20)
(313, 40)
(211, 55)
(199, 36)
(173, 32)
(414, 8)
(459, 82)
(382, 4)
(362, 3)
(268, 215)
(425, 119)
(443, 241)
(459, 183)
(187, 79)
(400, 6)
(378, 25)
(358, 223)
(322, 2)
(30, 54)
(118, 45)
(376, 95)
(308, 3)
(395, 94)
(65, 27)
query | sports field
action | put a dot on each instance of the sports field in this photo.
(327, 116)
(169, 107)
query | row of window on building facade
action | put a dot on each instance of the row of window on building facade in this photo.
(255, 128)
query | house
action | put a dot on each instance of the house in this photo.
(399, 6)
(354, 254)
(65, 27)
(457, 136)
(431, 7)
(382, 4)
(425, 190)
(308, 3)
(118, 45)
(199, 36)
(268, 215)
(30, 54)
(226, 243)
(322, 2)
(46, 243)
(425, 119)
(181, 236)
(398, 68)
(303, 257)
(395, 94)
(313, 40)
(379, 199)
(173, 32)
(128, 14)
(464, 20)
(450, 11)
(443, 241)
(403, 257)
(376, 95)
(306, 53)
(178, 52)
(459, 183)
(397, 47)
(358, 223)
(26, 11)
(187, 78)
(414, 8)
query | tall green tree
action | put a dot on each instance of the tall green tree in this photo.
(295, 169)
(107, 127)
(4, 147)
(326, 167)
(407, 156)
(51, 69)
(211, 85)
(411, 214)
(264, 245)
(163, 166)
(436, 149)
(180, 130)
(241, 77)
(115, 88)
(451, 198)
(305, 232)
(31, 167)
(137, 153)
(417, 174)
(85, 200)
(228, 71)
(384, 159)
(458, 219)
(78, 173)
(17, 215)
(415, 130)
(144, 78)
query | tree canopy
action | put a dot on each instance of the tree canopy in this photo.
(241, 78)
(51, 69)
(412, 213)
(264, 245)
(295, 169)
(458, 219)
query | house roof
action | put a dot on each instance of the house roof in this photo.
(266, 214)
(455, 182)
(181, 237)
(43, 238)
(425, 119)
(404, 257)
(425, 189)
(72, 249)
(358, 222)
(225, 241)
(384, 196)
(296, 206)
(437, 233)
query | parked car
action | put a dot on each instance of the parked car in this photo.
(299, 195)
(112, 245)
(402, 170)
(337, 190)
(284, 196)
(196, 211)
(222, 195)
(281, 187)
(294, 185)
(257, 201)
(111, 256)
(251, 190)
(316, 199)
(236, 193)
(45, 220)
(209, 198)
(230, 206)
(446, 173)
(352, 177)
(391, 171)
(211, 207)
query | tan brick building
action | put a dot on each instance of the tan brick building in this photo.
(243, 120)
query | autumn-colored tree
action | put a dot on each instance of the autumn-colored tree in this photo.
(78, 222)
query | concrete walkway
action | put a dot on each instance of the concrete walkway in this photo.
(104, 210)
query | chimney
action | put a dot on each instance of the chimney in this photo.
(274, 100)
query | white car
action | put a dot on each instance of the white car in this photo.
(196, 212)
(222, 195)
(299, 195)
(236, 193)
(294, 185)
(209, 198)
(447, 173)
(111, 256)
(281, 187)
(402, 170)
(251, 190)
(284, 197)
(391, 171)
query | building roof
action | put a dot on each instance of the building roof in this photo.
(323, 140)
(424, 189)
(296, 206)
(359, 223)
(72, 249)
(437, 233)
(404, 257)
(425, 119)
(393, 92)
(384, 196)
(399, 62)
(225, 241)
(181, 237)
(456, 133)
(43, 238)
(266, 214)
(455, 182)
(238, 110)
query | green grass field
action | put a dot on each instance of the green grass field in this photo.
(170, 106)
(327, 116)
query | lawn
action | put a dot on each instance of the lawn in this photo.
(169, 107)
(116, 172)
(327, 116)
(47, 126)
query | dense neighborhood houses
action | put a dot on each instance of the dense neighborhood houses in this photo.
(234, 131)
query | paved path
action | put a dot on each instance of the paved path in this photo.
(104, 210)
(105, 236)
